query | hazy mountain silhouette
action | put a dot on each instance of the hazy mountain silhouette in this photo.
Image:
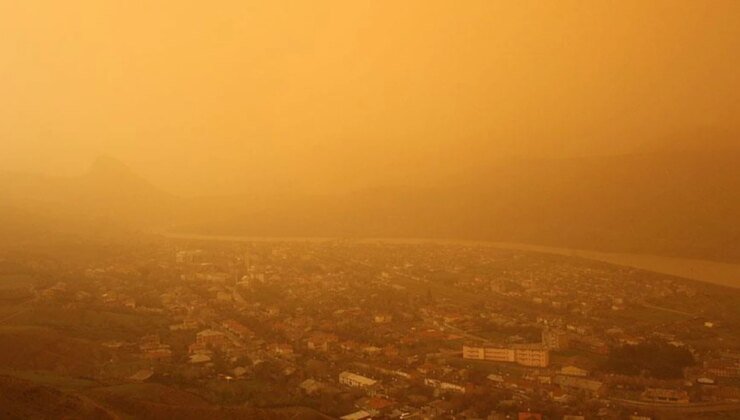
(675, 203)
(109, 197)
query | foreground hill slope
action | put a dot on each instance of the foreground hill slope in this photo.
(24, 399)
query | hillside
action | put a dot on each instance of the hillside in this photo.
(22, 399)
(25, 399)
(155, 401)
(678, 204)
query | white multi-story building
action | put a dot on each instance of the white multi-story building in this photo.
(534, 356)
(497, 354)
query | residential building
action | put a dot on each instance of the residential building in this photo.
(525, 355)
(355, 380)
(666, 396)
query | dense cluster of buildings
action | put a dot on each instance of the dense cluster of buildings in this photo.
(367, 330)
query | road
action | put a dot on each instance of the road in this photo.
(680, 408)
(19, 312)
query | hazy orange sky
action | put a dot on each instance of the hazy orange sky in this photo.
(227, 96)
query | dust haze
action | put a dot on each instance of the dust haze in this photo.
(333, 96)
(370, 209)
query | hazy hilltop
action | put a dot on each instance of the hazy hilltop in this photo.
(675, 203)
(107, 198)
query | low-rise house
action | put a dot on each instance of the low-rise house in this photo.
(211, 338)
(355, 380)
(159, 353)
(199, 358)
(283, 349)
(444, 386)
(320, 341)
(382, 318)
(376, 404)
(149, 342)
(237, 328)
(573, 371)
(311, 386)
(572, 382)
(142, 375)
(186, 324)
(665, 396)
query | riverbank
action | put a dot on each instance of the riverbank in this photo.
(723, 274)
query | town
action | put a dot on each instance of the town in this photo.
(384, 329)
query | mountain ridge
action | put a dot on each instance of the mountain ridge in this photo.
(677, 204)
